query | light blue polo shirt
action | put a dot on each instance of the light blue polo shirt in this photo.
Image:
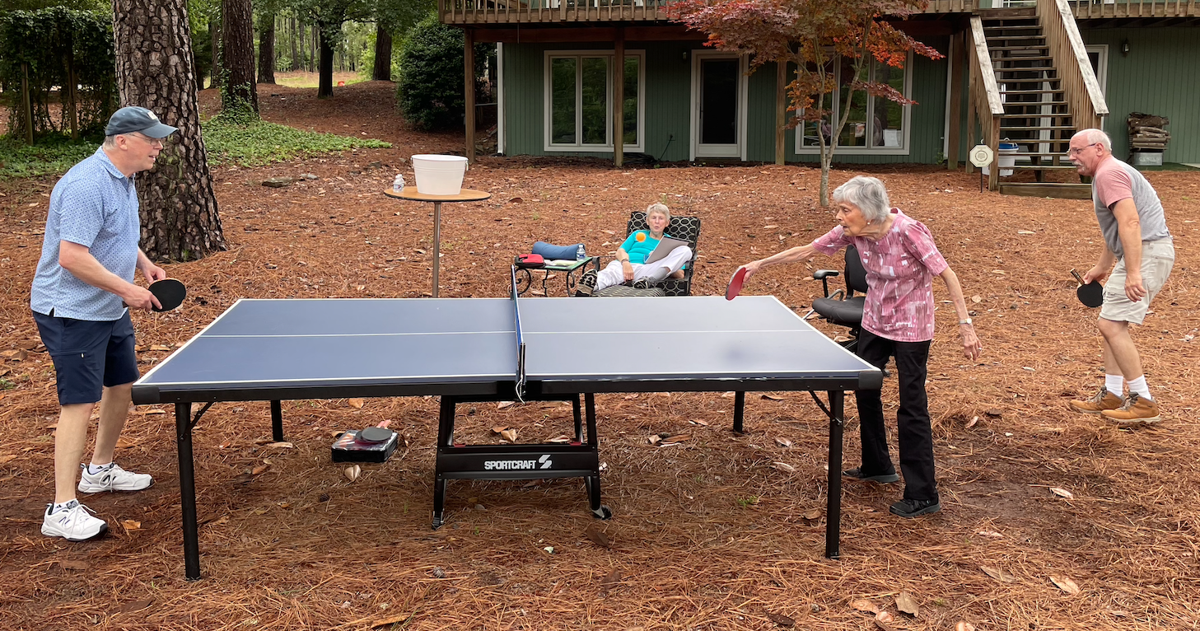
(96, 206)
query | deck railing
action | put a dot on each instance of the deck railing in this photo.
(1100, 9)
(985, 98)
(1080, 87)
(462, 12)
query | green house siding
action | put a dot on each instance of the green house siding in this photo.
(1159, 76)
(667, 107)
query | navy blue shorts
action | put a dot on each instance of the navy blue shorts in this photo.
(88, 355)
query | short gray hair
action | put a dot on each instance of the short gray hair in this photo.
(1096, 137)
(658, 207)
(110, 142)
(868, 193)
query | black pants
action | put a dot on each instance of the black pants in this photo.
(912, 420)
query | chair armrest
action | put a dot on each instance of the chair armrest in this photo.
(821, 274)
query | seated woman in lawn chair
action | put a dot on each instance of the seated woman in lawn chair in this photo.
(630, 264)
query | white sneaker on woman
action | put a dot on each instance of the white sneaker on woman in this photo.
(112, 478)
(72, 522)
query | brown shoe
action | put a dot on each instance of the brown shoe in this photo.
(1104, 400)
(1136, 411)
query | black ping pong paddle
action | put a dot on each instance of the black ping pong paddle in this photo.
(170, 293)
(735, 284)
(1090, 294)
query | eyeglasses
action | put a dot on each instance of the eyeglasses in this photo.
(1073, 150)
(151, 141)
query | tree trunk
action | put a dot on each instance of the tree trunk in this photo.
(237, 48)
(325, 80)
(154, 70)
(383, 54)
(266, 49)
(296, 41)
(315, 46)
(214, 70)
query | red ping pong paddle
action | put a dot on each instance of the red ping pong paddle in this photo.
(170, 293)
(1090, 294)
(735, 284)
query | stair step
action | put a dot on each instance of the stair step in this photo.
(1042, 167)
(1050, 154)
(1040, 128)
(1038, 69)
(1009, 27)
(1022, 58)
(1033, 103)
(991, 48)
(1031, 115)
(1031, 92)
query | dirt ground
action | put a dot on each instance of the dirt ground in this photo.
(710, 533)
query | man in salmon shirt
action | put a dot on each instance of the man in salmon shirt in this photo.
(1135, 233)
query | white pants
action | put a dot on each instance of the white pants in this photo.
(612, 274)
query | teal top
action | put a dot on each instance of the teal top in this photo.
(640, 244)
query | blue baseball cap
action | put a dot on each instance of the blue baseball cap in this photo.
(137, 119)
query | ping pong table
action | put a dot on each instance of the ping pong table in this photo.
(499, 349)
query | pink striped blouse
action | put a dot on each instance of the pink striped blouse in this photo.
(900, 270)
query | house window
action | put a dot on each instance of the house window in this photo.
(874, 125)
(579, 100)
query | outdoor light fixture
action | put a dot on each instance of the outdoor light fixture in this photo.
(685, 52)
(1124, 48)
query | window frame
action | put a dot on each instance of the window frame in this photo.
(905, 147)
(548, 96)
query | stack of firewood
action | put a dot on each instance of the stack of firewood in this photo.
(1146, 132)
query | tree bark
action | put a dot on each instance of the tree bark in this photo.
(325, 80)
(266, 49)
(295, 40)
(154, 70)
(237, 52)
(214, 70)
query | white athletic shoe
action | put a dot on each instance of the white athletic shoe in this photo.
(112, 478)
(73, 522)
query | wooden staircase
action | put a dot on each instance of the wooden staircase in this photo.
(1037, 115)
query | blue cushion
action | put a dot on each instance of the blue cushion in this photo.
(556, 252)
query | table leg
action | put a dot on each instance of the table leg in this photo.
(445, 441)
(833, 510)
(739, 411)
(437, 244)
(276, 421)
(187, 490)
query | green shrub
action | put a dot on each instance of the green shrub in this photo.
(429, 90)
(53, 155)
(257, 142)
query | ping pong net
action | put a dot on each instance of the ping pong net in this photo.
(520, 339)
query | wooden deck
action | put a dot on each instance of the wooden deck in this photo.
(1134, 9)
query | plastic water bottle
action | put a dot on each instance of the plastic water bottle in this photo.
(398, 185)
(580, 253)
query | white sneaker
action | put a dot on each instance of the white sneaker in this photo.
(112, 478)
(73, 523)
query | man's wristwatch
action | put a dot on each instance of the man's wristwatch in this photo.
(962, 322)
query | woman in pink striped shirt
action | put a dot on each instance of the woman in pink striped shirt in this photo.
(901, 260)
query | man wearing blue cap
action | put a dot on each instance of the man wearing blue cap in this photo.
(84, 281)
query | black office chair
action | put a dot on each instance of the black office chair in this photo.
(843, 307)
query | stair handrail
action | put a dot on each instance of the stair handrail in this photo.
(986, 101)
(1080, 87)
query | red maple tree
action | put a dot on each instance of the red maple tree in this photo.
(812, 35)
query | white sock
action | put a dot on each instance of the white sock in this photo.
(63, 506)
(1115, 384)
(1139, 386)
(93, 469)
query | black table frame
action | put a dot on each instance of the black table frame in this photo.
(464, 461)
(568, 271)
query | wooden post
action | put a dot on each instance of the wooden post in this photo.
(994, 143)
(27, 103)
(972, 100)
(619, 99)
(955, 58)
(469, 90)
(780, 110)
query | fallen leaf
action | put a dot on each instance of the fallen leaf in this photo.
(990, 533)
(783, 466)
(130, 525)
(998, 574)
(653, 439)
(503, 404)
(223, 520)
(783, 442)
(865, 605)
(781, 620)
(1061, 492)
(8, 458)
(75, 564)
(813, 514)
(509, 434)
(907, 604)
(1065, 584)
(159, 347)
(677, 438)
(772, 397)
(283, 445)
(560, 439)
(597, 536)
(971, 423)
(964, 626)
(260, 469)
(612, 579)
(352, 472)
(355, 403)
(1026, 232)
(770, 227)
(698, 422)
(383, 622)
(884, 617)
(136, 605)
(976, 299)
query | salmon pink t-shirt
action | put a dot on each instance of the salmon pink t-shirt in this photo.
(900, 269)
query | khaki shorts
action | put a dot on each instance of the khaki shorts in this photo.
(1158, 257)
